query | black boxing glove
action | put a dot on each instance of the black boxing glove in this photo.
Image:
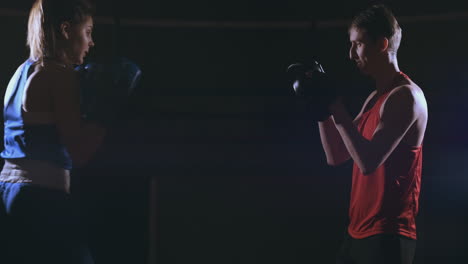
(314, 87)
(105, 89)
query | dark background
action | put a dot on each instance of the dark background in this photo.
(240, 172)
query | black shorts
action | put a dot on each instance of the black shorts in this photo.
(377, 249)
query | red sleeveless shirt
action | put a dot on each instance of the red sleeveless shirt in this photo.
(385, 201)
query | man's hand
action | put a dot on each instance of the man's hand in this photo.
(339, 112)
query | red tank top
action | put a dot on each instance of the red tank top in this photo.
(385, 201)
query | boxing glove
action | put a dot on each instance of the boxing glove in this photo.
(105, 88)
(314, 87)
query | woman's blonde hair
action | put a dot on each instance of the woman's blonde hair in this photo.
(44, 22)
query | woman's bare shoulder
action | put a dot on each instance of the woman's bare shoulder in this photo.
(52, 75)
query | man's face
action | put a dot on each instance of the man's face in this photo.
(364, 51)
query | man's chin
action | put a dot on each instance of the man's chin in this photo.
(363, 70)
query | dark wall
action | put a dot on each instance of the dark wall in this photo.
(241, 173)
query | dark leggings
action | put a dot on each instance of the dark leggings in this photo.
(39, 225)
(377, 249)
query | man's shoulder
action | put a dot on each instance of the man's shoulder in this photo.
(407, 90)
(407, 96)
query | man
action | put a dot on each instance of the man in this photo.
(385, 143)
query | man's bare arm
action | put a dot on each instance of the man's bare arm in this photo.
(397, 116)
(332, 143)
(333, 146)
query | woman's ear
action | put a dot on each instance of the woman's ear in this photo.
(65, 28)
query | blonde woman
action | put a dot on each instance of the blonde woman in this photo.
(45, 138)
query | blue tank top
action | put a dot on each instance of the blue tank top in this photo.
(35, 142)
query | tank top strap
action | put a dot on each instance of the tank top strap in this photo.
(17, 82)
(384, 96)
(404, 75)
(379, 102)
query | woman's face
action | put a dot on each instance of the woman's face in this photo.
(79, 41)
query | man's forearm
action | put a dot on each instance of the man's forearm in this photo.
(358, 147)
(332, 144)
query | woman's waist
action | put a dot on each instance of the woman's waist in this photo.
(37, 172)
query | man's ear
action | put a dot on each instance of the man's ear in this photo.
(383, 44)
(65, 28)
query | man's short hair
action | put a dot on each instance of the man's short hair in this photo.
(378, 21)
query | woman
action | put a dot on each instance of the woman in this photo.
(44, 136)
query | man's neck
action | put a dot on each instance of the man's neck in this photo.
(385, 77)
